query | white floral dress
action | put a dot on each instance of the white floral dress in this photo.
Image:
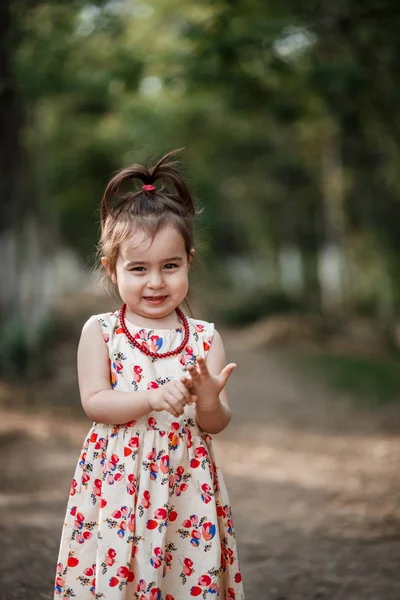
(148, 516)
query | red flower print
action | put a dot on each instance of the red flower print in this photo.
(199, 327)
(194, 463)
(106, 337)
(155, 343)
(169, 597)
(151, 524)
(131, 523)
(230, 594)
(131, 486)
(79, 520)
(127, 451)
(238, 577)
(187, 566)
(93, 437)
(200, 452)
(141, 586)
(114, 581)
(89, 572)
(97, 487)
(204, 580)
(208, 531)
(114, 459)
(123, 572)
(152, 385)
(74, 485)
(205, 496)
(195, 590)
(103, 502)
(137, 373)
(134, 442)
(101, 443)
(73, 561)
(146, 499)
(164, 464)
(156, 560)
(73, 510)
(153, 471)
(118, 366)
(160, 514)
(110, 558)
(173, 515)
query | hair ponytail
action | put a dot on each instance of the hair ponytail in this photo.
(173, 194)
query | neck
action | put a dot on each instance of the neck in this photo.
(169, 321)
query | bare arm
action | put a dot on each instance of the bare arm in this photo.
(100, 402)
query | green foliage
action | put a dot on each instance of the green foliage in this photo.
(258, 305)
(249, 88)
(373, 381)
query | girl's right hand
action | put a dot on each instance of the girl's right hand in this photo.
(172, 397)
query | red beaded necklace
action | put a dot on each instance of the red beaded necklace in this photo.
(145, 350)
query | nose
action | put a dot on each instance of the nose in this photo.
(156, 280)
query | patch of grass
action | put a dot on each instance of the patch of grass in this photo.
(375, 381)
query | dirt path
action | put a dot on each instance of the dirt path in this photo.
(314, 484)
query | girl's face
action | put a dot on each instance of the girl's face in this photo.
(152, 276)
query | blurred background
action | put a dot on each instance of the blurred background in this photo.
(288, 113)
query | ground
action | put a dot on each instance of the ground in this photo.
(313, 480)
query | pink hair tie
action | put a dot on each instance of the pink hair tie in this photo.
(148, 188)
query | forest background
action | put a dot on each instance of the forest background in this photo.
(288, 113)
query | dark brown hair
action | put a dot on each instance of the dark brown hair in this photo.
(170, 203)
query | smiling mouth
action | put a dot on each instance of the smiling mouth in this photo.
(155, 298)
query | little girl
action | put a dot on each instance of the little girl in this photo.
(148, 516)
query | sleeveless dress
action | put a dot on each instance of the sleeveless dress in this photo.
(148, 516)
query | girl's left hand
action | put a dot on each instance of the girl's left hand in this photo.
(202, 383)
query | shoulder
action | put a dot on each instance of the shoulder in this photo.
(201, 328)
(203, 333)
(99, 325)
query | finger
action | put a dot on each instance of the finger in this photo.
(178, 391)
(176, 400)
(182, 388)
(226, 372)
(192, 400)
(183, 392)
(193, 372)
(175, 408)
(187, 382)
(202, 366)
(169, 408)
